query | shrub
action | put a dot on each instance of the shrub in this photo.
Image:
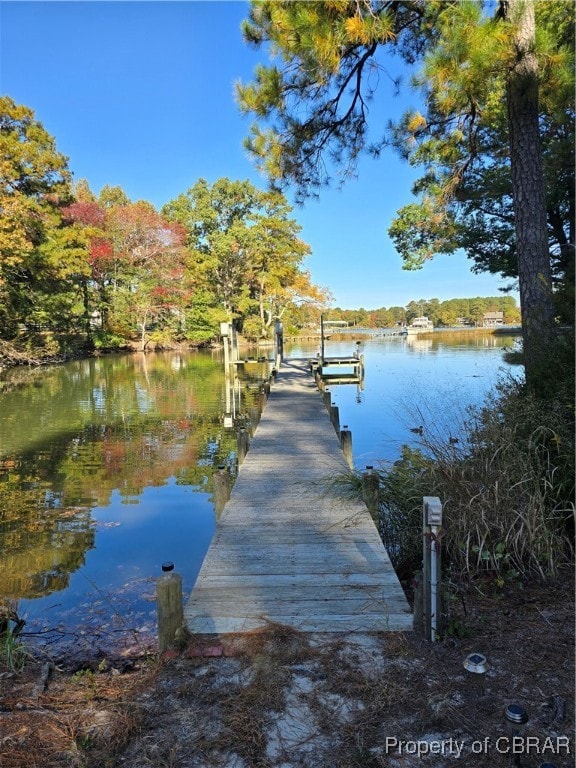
(507, 488)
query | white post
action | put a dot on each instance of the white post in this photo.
(278, 344)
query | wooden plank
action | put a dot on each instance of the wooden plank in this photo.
(276, 598)
(288, 581)
(325, 623)
(287, 548)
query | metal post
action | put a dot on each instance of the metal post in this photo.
(431, 524)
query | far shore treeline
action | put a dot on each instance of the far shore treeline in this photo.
(450, 313)
(82, 270)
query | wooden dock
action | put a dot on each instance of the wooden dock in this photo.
(287, 548)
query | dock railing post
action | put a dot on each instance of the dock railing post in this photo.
(169, 606)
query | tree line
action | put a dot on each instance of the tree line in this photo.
(108, 270)
(452, 312)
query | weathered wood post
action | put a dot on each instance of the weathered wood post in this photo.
(346, 443)
(431, 524)
(169, 606)
(254, 415)
(243, 444)
(371, 490)
(327, 397)
(335, 417)
(222, 486)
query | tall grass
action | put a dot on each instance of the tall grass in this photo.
(506, 484)
(13, 654)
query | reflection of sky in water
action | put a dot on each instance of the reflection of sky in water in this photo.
(409, 382)
(170, 522)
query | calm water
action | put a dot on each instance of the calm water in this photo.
(106, 466)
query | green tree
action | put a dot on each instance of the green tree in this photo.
(275, 254)
(34, 182)
(215, 222)
(317, 103)
(479, 144)
(245, 251)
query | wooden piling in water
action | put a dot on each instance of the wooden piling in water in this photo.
(335, 418)
(243, 444)
(222, 487)
(346, 443)
(254, 414)
(371, 490)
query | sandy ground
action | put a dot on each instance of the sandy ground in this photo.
(281, 699)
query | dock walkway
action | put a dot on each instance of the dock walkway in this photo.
(287, 548)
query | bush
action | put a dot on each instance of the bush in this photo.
(507, 488)
(109, 341)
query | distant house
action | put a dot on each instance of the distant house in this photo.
(422, 322)
(493, 319)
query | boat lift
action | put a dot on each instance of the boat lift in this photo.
(329, 370)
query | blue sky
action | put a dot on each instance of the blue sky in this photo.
(141, 95)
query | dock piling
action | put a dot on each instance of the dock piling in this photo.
(346, 443)
(243, 444)
(222, 487)
(371, 490)
(335, 417)
(169, 606)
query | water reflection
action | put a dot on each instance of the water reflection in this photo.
(84, 437)
(106, 464)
